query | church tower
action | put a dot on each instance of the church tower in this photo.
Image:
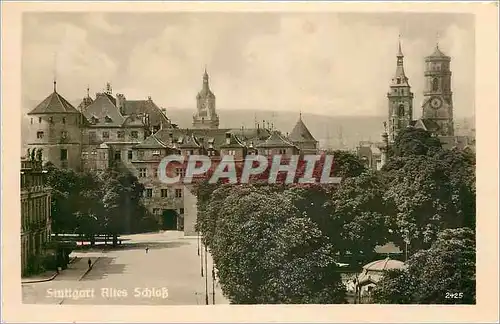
(437, 106)
(206, 117)
(400, 100)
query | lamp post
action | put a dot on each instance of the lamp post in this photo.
(198, 243)
(206, 277)
(407, 243)
(201, 258)
(213, 282)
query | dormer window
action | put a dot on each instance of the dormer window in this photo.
(95, 120)
(156, 153)
(398, 80)
(108, 119)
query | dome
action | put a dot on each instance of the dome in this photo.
(382, 265)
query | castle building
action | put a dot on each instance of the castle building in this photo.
(35, 211)
(135, 135)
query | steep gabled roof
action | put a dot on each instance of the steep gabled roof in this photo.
(105, 111)
(275, 140)
(234, 141)
(188, 141)
(300, 133)
(54, 104)
(140, 107)
(152, 142)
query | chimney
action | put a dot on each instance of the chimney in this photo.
(120, 103)
(228, 138)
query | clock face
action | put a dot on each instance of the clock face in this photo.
(436, 103)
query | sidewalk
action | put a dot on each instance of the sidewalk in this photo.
(46, 276)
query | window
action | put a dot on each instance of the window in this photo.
(64, 120)
(39, 134)
(129, 155)
(398, 80)
(64, 154)
(282, 151)
(85, 155)
(92, 136)
(189, 152)
(164, 193)
(148, 193)
(155, 173)
(401, 110)
(178, 193)
(105, 134)
(64, 134)
(51, 120)
(156, 153)
(180, 172)
(140, 155)
(435, 84)
(120, 134)
(142, 173)
(39, 120)
(134, 134)
(156, 211)
(118, 156)
(31, 120)
(181, 211)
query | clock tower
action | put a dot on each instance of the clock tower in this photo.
(400, 100)
(205, 117)
(438, 105)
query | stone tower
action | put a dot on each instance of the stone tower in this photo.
(400, 99)
(438, 105)
(206, 117)
(55, 128)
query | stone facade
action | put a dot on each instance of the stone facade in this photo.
(134, 135)
(400, 100)
(35, 211)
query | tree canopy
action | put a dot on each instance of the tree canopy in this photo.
(443, 274)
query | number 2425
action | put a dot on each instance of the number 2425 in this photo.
(454, 295)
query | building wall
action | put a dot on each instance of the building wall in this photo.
(191, 211)
(53, 133)
(35, 213)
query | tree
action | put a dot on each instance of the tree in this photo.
(415, 141)
(358, 215)
(429, 193)
(121, 200)
(443, 274)
(346, 164)
(267, 252)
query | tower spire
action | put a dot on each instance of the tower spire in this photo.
(88, 91)
(400, 52)
(437, 40)
(55, 70)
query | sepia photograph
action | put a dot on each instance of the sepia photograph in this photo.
(207, 158)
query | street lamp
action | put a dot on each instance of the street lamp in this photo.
(198, 243)
(206, 277)
(201, 258)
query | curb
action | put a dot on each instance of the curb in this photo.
(50, 278)
(89, 269)
(40, 280)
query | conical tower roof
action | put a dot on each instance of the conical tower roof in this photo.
(54, 104)
(300, 133)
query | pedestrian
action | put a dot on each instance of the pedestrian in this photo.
(147, 249)
(89, 263)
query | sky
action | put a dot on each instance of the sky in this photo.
(323, 63)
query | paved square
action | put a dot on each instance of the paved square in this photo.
(168, 274)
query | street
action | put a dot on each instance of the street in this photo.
(168, 274)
